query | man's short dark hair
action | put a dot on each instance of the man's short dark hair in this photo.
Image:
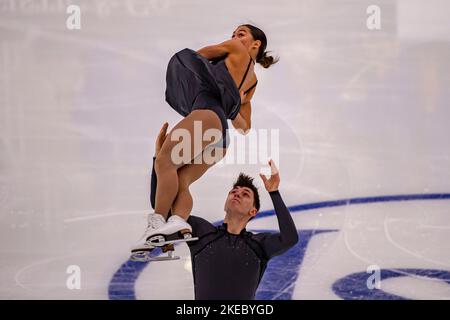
(246, 181)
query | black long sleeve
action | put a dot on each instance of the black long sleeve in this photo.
(153, 183)
(276, 244)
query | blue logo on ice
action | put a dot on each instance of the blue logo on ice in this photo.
(350, 287)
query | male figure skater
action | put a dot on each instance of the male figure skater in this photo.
(228, 262)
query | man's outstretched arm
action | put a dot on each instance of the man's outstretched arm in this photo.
(275, 244)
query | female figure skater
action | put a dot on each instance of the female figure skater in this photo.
(207, 86)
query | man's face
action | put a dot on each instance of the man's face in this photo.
(240, 200)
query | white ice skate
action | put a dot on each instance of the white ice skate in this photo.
(141, 250)
(174, 231)
(161, 234)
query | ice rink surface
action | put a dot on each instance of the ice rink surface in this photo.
(363, 145)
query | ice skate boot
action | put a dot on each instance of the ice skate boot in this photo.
(140, 250)
(174, 231)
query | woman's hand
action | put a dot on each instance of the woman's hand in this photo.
(161, 138)
(242, 122)
(273, 182)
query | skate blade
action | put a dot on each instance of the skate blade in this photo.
(140, 256)
(141, 249)
(162, 244)
(163, 258)
(144, 256)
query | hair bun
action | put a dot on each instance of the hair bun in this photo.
(266, 60)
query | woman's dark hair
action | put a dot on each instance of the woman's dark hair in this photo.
(262, 57)
(246, 181)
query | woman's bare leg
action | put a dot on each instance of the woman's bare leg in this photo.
(165, 166)
(187, 175)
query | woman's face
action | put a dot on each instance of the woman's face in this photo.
(244, 35)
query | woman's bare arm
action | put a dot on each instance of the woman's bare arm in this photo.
(221, 49)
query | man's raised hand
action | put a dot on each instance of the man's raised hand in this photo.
(273, 182)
